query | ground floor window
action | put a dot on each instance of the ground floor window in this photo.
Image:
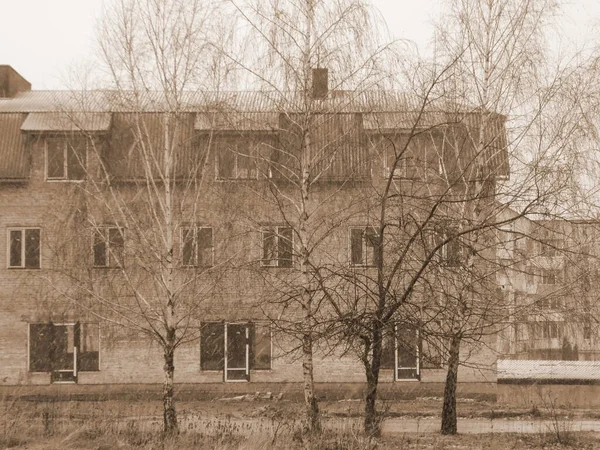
(235, 348)
(64, 349)
(401, 352)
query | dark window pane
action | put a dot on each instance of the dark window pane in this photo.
(411, 166)
(245, 164)
(260, 346)
(55, 159)
(100, 259)
(407, 374)
(187, 252)
(212, 346)
(226, 161)
(431, 354)
(388, 359)
(115, 246)
(205, 247)
(63, 343)
(285, 247)
(269, 253)
(453, 252)
(76, 160)
(16, 247)
(40, 347)
(407, 348)
(372, 241)
(356, 246)
(236, 346)
(32, 249)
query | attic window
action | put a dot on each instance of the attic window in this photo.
(235, 160)
(65, 159)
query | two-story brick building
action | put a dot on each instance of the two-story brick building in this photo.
(117, 205)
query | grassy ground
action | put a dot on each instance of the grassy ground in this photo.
(89, 439)
(249, 423)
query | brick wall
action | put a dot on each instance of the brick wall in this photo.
(29, 296)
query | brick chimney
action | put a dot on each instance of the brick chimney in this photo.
(11, 82)
(320, 83)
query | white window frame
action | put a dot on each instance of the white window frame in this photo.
(276, 261)
(396, 359)
(64, 141)
(195, 229)
(105, 230)
(365, 262)
(23, 247)
(249, 369)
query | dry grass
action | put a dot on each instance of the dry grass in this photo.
(230, 426)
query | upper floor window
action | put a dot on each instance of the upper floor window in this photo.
(108, 247)
(506, 242)
(235, 160)
(24, 248)
(277, 247)
(197, 246)
(65, 159)
(549, 276)
(406, 166)
(449, 252)
(363, 246)
(408, 157)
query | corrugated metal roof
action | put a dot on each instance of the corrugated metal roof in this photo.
(14, 160)
(245, 110)
(237, 121)
(509, 369)
(62, 121)
(208, 101)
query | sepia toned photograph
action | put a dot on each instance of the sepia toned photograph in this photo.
(300, 224)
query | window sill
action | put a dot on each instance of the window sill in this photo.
(221, 370)
(234, 180)
(60, 180)
(23, 268)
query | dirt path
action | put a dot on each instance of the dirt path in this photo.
(478, 426)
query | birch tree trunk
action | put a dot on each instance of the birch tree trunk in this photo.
(449, 407)
(169, 412)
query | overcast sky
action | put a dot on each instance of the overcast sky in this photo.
(41, 39)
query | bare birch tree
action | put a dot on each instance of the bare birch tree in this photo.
(143, 196)
(314, 61)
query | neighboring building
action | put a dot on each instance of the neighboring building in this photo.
(551, 282)
(63, 249)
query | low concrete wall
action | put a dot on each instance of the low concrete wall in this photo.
(207, 391)
(548, 395)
